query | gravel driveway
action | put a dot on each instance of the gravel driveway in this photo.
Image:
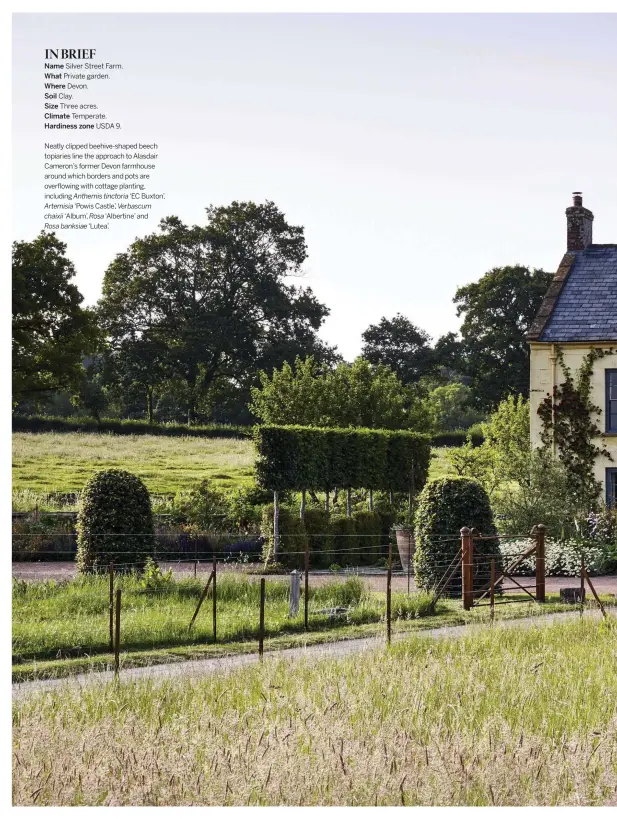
(376, 580)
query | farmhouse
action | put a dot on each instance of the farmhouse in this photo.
(579, 313)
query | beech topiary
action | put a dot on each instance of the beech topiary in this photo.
(446, 505)
(114, 523)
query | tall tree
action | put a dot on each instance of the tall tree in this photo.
(52, 333)
(497, 312)
(213, 299)
(397, 343)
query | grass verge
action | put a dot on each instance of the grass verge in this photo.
(60, 629)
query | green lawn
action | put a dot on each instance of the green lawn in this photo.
(51, 462)
(518, 717)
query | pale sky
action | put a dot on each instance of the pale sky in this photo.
(417, 150)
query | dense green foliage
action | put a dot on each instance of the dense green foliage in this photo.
(368, 532)
(52, 332)
(346, 545)
(48, 423)
(292, 537)
(297, 457)
(356, 395)
(320, 539)
(497, 311)
(114, 523)
(397, 343)
(445, 506)
(221, 311)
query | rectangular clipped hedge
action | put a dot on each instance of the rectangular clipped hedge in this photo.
(45, 423)
(295, 457)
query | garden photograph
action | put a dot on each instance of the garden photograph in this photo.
(314, 469)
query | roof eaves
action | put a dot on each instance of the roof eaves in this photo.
(552, 295)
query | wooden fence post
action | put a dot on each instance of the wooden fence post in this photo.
(306, 585)
(214, 599)
(276, 525)
(349, 501)
(467, 567)
(492, 591)
(389, 596)
(370, 500)
(262, 600)
(117, 640)
(540, 533)
(582, 583)
(111, 606)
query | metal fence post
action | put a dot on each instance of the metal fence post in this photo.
(467, 567)
(582, 583)
(540, 533)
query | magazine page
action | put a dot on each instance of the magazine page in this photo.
(314, 407)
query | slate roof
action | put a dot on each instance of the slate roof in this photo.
(581, 302)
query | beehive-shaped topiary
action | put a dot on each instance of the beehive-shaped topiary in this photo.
(445, 506)
(114, 523)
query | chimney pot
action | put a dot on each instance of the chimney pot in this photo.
(580, 224)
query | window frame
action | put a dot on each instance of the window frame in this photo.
(607, 384)
(610, 472)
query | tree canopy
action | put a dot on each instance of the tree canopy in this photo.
(399, 344)
(212, 302)
(51, 331)
(497, 311)
(352, 395)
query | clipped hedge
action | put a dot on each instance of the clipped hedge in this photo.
(117, 426)
(295, 457)
(446, 505)
(114, 522)
(368, 530)
(345, 541)
(292, 537)
(456, 438)
(320, 540)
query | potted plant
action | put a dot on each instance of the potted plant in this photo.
(405, 542)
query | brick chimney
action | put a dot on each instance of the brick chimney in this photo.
(580, 221)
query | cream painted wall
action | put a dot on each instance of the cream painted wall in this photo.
(541, 384)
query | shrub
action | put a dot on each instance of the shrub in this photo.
(444, 507)
(345, 542)
(114, 522)
(207, 508)
(368, 529)
(320, 540)
(292, 537)
(48, 538)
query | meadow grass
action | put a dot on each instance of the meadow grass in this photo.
(497, 717)
(62, 462)
(55, 462)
